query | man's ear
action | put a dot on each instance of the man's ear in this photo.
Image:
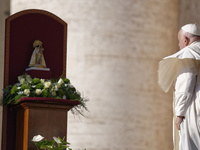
(186, 41)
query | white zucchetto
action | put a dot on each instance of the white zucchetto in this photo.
(191, 28)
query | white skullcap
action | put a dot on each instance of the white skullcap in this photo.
(191, 28)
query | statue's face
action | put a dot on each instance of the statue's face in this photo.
(39, 48)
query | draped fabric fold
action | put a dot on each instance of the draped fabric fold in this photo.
(168, 66)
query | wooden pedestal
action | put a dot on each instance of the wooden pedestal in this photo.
(46, 119)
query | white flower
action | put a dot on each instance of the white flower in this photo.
(33, 86)
(53, 93)
(20, 92)
(60, 82)
(47, 84)
(37, 138)
(19, 88)
(42, 81)
(57, 140)
(28, 78)
(71, 86)
(79, 93)
(27, 92)
(22, 81)
(55, 88)
(38, 91)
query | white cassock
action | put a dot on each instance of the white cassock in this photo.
(182, 70)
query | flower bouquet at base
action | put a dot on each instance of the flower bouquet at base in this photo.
(49, 88)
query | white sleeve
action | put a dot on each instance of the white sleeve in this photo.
(185, 85)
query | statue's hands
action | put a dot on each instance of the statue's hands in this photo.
(179, 120)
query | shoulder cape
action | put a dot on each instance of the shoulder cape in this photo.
(168, 66)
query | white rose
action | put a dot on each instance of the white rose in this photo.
(53, 93)
(42, 81)
(47, 84)
(37, 138)
(71, 86)
(22, 81)
(27, 92)
(56, 87)
(78, 92)
(60, 82)
(38, 91)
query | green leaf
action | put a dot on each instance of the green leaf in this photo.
(45, 93)
(60, 93)
(18, 97)
(35, 81)
(67, 81)
(25, 86)
(39, 86)
(13, 90)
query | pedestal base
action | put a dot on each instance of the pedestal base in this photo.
(48, 119)
(43, 73)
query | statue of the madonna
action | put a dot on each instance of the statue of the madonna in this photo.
(37, 58)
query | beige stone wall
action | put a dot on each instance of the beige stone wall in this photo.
(189, 11)
(4, 12)
(113, 52)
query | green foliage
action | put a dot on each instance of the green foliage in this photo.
(45, 93)
(14, 90)
(60, 93)
(39, 86)
(45, 144)
(18, 97)
(35, 81)
(67, 81)
(24, 86)
(56, 144)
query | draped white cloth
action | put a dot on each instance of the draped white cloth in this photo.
(183, 69)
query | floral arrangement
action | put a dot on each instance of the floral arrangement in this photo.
(53, 88)
(56, 144)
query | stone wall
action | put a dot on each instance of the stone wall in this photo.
(4, 12)
(113, 52)
(189, 11)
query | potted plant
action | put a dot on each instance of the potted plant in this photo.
(56, 144)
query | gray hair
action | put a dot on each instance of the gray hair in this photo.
(190, 36)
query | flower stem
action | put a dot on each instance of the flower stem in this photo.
(36, 146)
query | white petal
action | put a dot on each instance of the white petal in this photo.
(57, 140)
(37, 138)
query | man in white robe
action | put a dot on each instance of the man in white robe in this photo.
(182, 70)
